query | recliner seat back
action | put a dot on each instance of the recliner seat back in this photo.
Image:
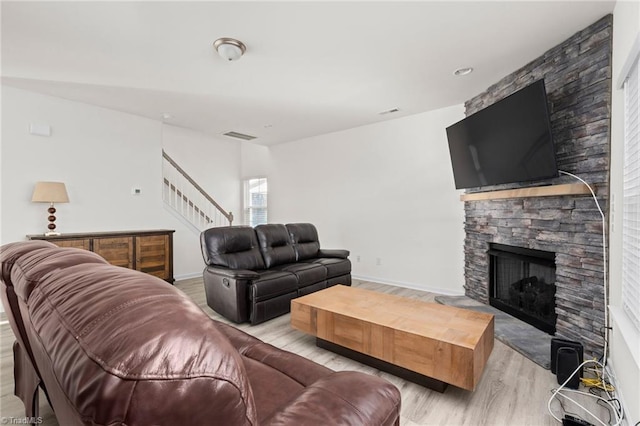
(234, 247)
(8, 256)
(109, 344)
(304, 237)
(275, 245)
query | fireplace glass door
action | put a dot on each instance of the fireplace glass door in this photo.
(522, 284)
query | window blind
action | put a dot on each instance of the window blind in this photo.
(255, 201)
(631, 199)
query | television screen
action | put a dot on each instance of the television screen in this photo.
(509, 141)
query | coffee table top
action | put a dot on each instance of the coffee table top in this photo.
(459, 327)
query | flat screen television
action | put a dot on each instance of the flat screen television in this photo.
(509, 141)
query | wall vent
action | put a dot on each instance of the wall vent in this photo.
(238, 135)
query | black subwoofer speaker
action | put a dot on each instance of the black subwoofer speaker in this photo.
(566, 356)
(568, 362)
(563, 343)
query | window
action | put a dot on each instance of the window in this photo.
(255, 201)
(631, 198)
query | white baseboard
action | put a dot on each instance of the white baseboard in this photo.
(187, 276)
(611, 375)
(412, 286)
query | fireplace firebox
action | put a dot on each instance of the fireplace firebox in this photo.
(522, 284)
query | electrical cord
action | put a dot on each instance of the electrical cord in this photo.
(598, 382)
(604, 261)
(618, 413)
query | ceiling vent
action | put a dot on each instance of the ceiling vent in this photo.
(389, 111)
(239, 136)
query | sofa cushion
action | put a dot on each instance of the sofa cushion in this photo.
(13, 251)
(273, 283)
(31, 268)
(304, 237)
(269, 399)
(348, 398)
(275, 245)
(306, 273)
(234, 247)
(302, 370)
(334, 266)
(9, 254)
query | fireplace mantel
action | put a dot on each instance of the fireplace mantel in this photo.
(534, 191)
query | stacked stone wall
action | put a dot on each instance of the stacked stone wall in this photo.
(577, 76)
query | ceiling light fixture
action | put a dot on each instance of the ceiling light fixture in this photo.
(229, 48)
(463, 71)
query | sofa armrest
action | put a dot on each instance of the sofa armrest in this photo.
(342, 254)
(226, 291)
(236, 274)
(344, 398)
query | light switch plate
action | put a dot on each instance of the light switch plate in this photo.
(39, 129)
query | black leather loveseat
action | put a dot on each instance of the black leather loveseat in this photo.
(253, 273)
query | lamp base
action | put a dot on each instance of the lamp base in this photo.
(51, 234)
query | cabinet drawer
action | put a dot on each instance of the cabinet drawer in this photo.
(146, 251)
(84, 244)
(116, 251)
(152, 255)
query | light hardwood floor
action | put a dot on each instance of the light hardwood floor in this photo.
(513, 390)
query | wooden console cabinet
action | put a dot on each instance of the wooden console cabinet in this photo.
(146, 251)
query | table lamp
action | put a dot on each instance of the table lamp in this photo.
(50, 192)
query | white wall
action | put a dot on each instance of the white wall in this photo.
(384, 191)
(101, 154)
(625, 340)
(256, 160)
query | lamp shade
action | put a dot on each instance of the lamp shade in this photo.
(50, 192)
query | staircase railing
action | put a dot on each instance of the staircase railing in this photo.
(186, 197)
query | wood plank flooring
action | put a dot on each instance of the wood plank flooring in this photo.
(512, 391)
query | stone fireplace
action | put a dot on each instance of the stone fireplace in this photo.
(577, 76)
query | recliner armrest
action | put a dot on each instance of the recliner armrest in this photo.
(344, 398)
(342, 254)
(236, 274)
(227, 291)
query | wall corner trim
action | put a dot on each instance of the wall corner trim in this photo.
(628, 63)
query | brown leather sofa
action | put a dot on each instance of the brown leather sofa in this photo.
(253, 273)
(112, 346)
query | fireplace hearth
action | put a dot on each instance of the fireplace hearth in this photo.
(522, 284)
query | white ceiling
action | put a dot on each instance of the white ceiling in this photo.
(310, 67)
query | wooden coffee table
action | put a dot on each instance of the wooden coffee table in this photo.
(427, 343)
